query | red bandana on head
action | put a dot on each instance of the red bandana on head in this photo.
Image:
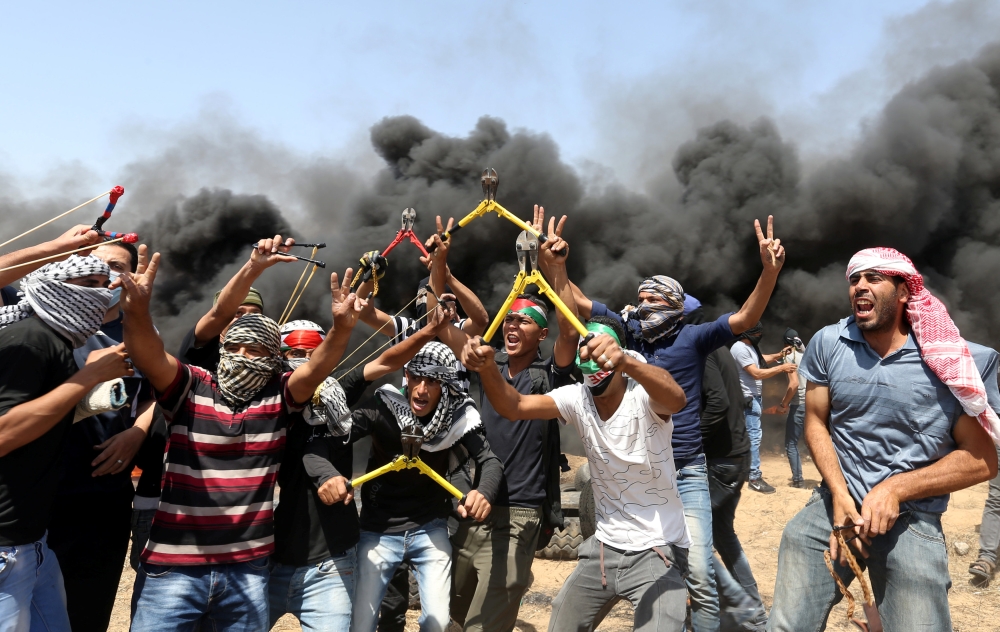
(942, 347)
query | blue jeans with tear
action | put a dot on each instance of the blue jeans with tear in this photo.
(908, 567)
(32, 597)
(692, 484)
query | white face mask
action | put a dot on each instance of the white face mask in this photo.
(116, 294)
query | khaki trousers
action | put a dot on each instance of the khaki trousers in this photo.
(491, 566)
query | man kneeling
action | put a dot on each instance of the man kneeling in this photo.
(639, 551)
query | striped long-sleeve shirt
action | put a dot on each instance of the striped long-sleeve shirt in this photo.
(220, 467)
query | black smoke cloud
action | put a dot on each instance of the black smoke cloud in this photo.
(925, 178)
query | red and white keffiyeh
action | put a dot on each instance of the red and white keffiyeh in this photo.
(942, 347)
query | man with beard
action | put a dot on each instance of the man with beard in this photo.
(314, 566)
(205, 564)
(62, 305)
(753, 371)
(899, 414)
(493, 559)
(657, 330)
(404, 513)
(640, 547)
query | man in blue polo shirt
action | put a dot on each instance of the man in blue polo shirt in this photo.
(656, 329)
(899, 413)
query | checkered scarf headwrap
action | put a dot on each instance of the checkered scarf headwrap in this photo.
(942, 347)
(240, 377)
(656, 320)
(74, 312)
(455, 414)
(328, 405)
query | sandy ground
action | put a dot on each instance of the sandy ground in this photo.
(759, 522)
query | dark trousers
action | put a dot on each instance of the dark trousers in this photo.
(89, 534)
(726, 477)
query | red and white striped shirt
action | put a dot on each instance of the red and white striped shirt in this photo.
(220, 467)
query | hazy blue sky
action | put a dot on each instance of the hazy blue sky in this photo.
(93, 82)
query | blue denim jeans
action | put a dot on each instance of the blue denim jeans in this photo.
(32, 597)
(908, 567)
(755, 434)
(793, 433)
(231, 597)
(428, 549)
(692, 484)
(320, 596)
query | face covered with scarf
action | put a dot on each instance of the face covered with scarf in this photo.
(250, 356)
(942, 347)
(792, 340)
(69, 296)
(597, 378)
(661, 308)
(433, 388)
(299, 338)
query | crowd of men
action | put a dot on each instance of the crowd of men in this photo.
(897, 410)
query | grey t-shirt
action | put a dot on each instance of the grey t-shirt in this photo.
(887, 415)
(746, 355)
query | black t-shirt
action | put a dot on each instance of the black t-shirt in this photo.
(723, 426)
(149, 459)
(306, 531)
(398, 501)
(518, 444)
(79, 452)
(8, 294)
(34, 360)
(205, 357)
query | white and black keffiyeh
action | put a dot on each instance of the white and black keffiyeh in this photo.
(240, 377)
(456, 413)
(74, 312)
(328, 405)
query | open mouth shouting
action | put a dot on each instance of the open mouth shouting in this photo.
(512, 340)
(420, 405)
(864, 307)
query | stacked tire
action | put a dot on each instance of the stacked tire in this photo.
(578, 510)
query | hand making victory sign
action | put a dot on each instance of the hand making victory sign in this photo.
(772, 253)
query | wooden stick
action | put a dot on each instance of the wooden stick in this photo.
(53, 219)
(61, 254)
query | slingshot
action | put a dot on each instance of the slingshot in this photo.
(412, 439)
(490, 182)
(527, 258)
(874, 623)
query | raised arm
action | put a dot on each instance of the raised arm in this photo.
(753, 308)
(477, 318)
(393, 358)
(552, 261)
(505, 399)
(76, 237)
(267, 253)
(144, 344)
(346, 308)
